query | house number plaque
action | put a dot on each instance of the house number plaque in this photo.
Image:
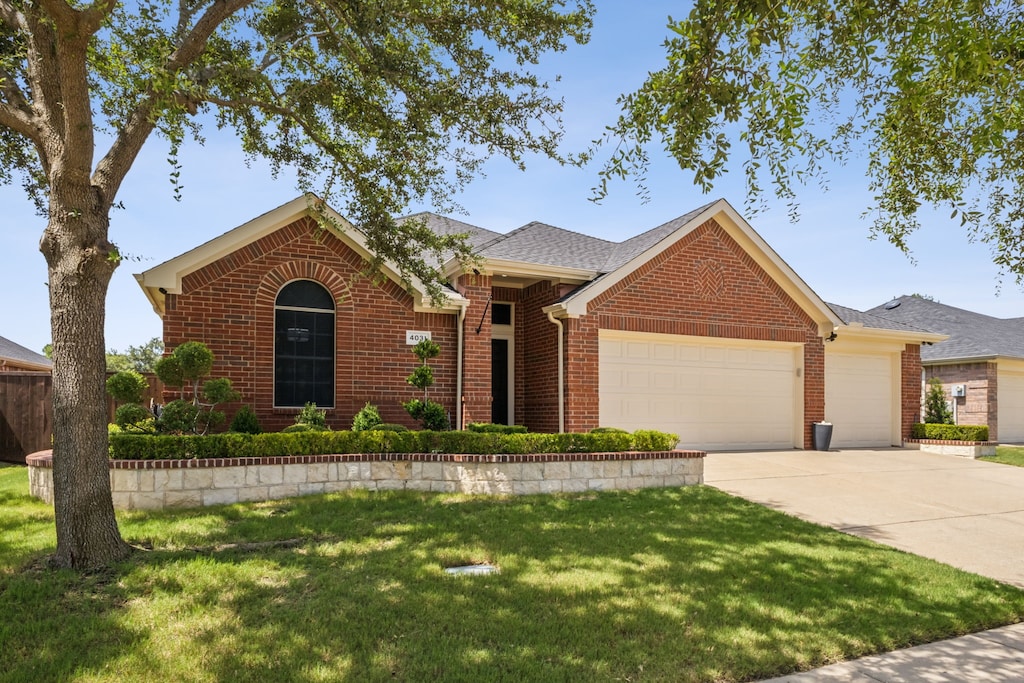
(414, 337)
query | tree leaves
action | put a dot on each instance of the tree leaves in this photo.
(929, 90)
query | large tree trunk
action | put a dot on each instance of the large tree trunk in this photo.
(80, 262)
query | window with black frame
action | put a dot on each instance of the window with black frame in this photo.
(303, 346)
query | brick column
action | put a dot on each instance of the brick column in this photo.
(910, 388)
(814, 386)
(476, 358)
(582, 400)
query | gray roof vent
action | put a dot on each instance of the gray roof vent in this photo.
(892, 304)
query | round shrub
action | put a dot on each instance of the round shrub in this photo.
(131, 417)
(608, 430)
(127, 386)
(367, 418)
(245, 422)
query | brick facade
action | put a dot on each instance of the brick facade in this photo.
(910, 388)
(704, 285)
(229, 305)
(980, 405)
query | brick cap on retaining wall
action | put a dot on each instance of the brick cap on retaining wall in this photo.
(45, 459)
(951, 442)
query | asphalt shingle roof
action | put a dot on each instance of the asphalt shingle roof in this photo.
(971, 335)
(850, 315)
(550, 246)
(16, 352)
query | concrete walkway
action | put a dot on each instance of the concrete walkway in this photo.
(962, 512)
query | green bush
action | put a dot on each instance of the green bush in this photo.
(178, 417)
(389, 427)
(310, 415)
(608, 430)
(492, 428)
(948, 432)
(246, 422)
(367, 418)
(303, 427)
(431, 415)
(651, 440)
(131, 417)
(936, 411)
(127, 386)
(310, 441)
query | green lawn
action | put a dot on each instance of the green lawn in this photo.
(656, 585)
(1008, 455)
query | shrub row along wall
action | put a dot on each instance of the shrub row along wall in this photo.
(154, 484)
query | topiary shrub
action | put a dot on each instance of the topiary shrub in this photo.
(127, 386)
(367, 418)
(185, 367)
(245, 422)
(430, 415)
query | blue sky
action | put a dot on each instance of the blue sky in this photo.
(828, 247)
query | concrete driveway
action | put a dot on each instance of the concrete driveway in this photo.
(963, 512)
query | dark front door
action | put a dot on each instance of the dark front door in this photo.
(499, 381)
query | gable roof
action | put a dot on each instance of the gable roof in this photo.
(166, 278)
(21, 357)
(972, 336)
(630, 255)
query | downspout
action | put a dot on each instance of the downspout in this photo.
(458, 369)
(561, 372)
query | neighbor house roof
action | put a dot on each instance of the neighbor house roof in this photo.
(972, 336)
(17, 356)
(867, 324)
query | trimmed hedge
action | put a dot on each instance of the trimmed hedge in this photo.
(944, 432)
(232, 445)
(489, 427)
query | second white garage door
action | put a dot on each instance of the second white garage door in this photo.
(1011, 405)
(860, 399)
(716, 394)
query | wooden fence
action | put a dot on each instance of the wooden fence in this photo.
(26, 412)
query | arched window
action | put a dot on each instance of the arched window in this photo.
(303, 345)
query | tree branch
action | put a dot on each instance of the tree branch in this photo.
(19, 121)
(113, 167)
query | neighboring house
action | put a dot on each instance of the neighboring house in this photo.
(981, 365)
(695, 327)
(17, 357)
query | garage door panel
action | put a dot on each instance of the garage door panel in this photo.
(1010, 407)
(715, 396)
(859, 398)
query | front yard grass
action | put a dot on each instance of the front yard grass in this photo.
(1007, 455)
(654, 585)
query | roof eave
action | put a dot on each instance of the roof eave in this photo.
(167, 277)
(876, 333)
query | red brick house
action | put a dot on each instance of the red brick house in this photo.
(695, 327)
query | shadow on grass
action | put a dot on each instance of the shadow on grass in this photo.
(667, 584)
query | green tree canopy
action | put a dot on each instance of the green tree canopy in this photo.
(375, 104)
(930, 91)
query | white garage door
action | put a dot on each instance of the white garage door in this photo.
(1011, 407)
(860, 399)
(716, 394)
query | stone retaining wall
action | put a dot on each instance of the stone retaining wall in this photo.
(964, 449)
(153, 484)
